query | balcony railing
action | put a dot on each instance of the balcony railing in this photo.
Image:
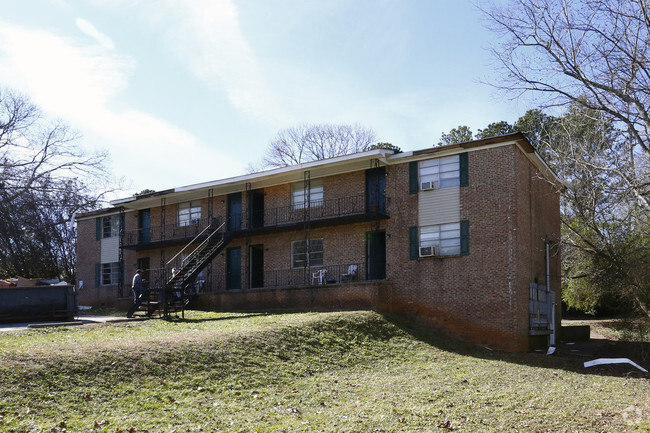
(212, 281)
(167, 232)
(318, 210)
(305, 277)
(341, 207)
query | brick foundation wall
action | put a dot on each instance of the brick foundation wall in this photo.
(324, 298)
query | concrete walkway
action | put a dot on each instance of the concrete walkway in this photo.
(79, 320)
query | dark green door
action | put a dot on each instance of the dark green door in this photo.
(256, 209)
(257, 266)
(233, 268)
(234, 211)
(376, 255)
(144, 224)
(376, 190)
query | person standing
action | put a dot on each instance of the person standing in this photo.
(139, 292)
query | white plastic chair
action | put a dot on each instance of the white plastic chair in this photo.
(318, 276)
(350, 274)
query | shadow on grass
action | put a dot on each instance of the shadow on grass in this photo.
(638, 352)
(218, 319)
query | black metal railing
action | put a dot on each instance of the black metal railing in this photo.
(316, 276)
(321, 209)
(186, 230)
(157, 278)
(340, 207)
(211, 281)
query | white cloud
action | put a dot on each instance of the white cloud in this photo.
(91, 31)
(79, 83)
(206, 35)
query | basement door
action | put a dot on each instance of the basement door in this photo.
(233, 268)
(376, 255)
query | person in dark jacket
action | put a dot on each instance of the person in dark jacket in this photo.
(139, 292)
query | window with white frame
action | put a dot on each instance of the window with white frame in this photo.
(189, 213)
(299, 196)
(307, 253)
(110, 273)
(439, 173)
(443, 238)
(110, 226)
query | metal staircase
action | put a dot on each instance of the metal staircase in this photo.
(178, 291)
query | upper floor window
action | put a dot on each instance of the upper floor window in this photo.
(440, 239)
(306, 254)
(439, 173)
(110, 226)
(300, 196)
(189, 213)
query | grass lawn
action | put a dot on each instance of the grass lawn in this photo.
(310, 372)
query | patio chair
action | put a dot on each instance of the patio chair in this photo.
(318, 276)
(351, 274)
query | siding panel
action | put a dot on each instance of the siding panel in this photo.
(110, 250)
(439, 206)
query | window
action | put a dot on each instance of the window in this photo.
(445, 238)
(110, 273)
(306, 254)
(189, 213)
(299, 196)
(110, 226)
(439, 173)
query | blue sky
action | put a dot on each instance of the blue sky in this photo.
(182, 92)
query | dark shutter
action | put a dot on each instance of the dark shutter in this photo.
(464, 237)
(413, 177)
(98, 228)
(413, 243)
(464, 176)
(98, 274)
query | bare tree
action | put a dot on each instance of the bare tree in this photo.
(591, 58)
(44, 180)
(304, 143)
(593, 53)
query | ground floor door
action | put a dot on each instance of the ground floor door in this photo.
(233, 268)
(256, 258)
(376, 255)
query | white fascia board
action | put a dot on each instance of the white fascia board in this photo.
(272, 177)
(100, 213)
(369, 154)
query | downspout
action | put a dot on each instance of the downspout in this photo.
(548, 293)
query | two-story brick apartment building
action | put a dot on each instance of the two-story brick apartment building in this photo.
(460, 238)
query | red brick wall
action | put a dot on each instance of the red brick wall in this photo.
(88, 255)
(482, 297)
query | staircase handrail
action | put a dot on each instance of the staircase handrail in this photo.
(202, 244)
(195, 238)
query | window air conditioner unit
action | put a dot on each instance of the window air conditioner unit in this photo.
(428, 251)
(424, 186)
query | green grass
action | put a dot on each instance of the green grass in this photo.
(311, 372)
